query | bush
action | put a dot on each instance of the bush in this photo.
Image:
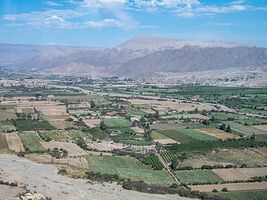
(225, 189)
(214, 190)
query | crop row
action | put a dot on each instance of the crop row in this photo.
(154, 161)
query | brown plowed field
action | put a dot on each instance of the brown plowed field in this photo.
(217, 133)
(14, 142)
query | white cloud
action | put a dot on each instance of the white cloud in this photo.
(219, 24)
(103, 23)
(237, 2)
(52, 3)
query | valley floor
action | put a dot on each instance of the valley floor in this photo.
(45, 180)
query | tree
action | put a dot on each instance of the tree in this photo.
(174, 163)
(102, 125)
(214, 190)
(224, 189)
(92, 103)
(228, 129)
(222, 127)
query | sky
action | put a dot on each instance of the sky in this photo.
(107, 23)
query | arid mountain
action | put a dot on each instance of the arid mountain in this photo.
(139, 56)
(189, 59)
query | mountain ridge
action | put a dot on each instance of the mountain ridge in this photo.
(139, 56)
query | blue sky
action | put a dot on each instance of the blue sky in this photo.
(110, 22)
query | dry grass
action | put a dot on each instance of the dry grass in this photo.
(91, 123)
(231, 187)
(166, 105)
(73, 149)
(14, 142)
(261, 127)
(240, 173)
(8, 114)
(218, 133)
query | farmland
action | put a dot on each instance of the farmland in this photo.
(7, 126)
(71, 148)
(28, 125)
(7, 114)
(167, 156)
(202, 146)
(59, 135)
(241, 195)
(231, 187)
(31, 142)
(3, 142)
(243, 129)
(154, 161)
(14, 142)
(117, 122)
(197, 176)
(218, 133)
(128, 168)
(196, 137)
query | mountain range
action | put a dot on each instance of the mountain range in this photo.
(140, 56)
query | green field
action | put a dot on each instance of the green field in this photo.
(243, 129)
(128, 168)
(117, 123)
(184, 135)
(240, 118)
(153, 161)
(136, 113)
(63, 135)
(174, 126)
(136, 142)
(242, 195)
(197, 176)
(7, 126)
(30, 125)
(31, 142)
(178, 136)
(157, 136)
(97, 133)
(6, 106)
(201, 146)
(167, 156)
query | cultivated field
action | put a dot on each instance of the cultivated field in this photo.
(240, 173)
(261, 127)
(117, 122)
(92, 123)
(197, 176)
(245, 130)
(60, 135)
(7, 126)
(231, 186)
(218, 133)
(14, 142)
(241, 195)
(30, 125)
(73, 149)
(128, 168)
(183, 135)
(165, 105)
(3, 141)
(31, 142)
(8, 114)
(61, 124)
